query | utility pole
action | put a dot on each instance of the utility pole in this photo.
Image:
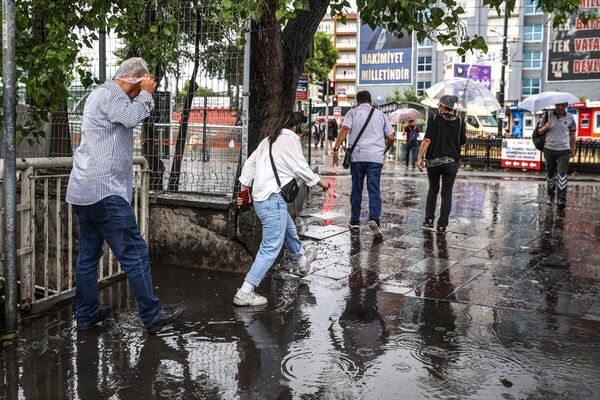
(9, 75)
(326, 111)
(501, 93)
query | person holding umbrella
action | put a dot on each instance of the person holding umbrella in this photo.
(444, 136)
(412, 143)
(559, 146)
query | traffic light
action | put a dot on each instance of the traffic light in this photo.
(322, 87)
(334, 99)
(331, 86)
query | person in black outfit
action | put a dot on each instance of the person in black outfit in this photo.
(332, 134)
(444, 136)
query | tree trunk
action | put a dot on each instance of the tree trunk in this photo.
(277, 60)
(183, 127)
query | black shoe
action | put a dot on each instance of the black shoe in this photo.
(354, 227)
(561, 204)
(104, 312)
(441, 230)
(167, 315)
(428, 224)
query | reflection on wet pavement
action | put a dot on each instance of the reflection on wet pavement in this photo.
(506, 305)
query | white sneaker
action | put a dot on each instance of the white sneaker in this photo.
(310, 253)
(375, 229)
(248, 299)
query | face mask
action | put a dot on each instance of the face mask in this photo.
(130, 80)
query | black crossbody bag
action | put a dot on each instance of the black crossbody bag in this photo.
(291, 189)
(348, 156)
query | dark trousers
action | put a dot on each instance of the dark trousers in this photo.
(447, 172)
(372, 171)
(112, 219)
(410, 149)
(557, 165)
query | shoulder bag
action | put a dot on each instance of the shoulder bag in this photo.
(291, 189)
(539, 140)
(348, 155)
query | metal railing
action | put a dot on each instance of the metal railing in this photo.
(47, 251)
(482, 151)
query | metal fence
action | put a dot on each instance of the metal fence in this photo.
(46, 235)
(192, 143)
(482, 152)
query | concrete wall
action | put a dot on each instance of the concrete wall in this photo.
(187, 232)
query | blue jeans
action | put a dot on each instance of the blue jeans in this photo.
(112, 219)
(372, 171)
(278, 230)
(410, 149)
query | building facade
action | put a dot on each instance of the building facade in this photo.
(540, 58)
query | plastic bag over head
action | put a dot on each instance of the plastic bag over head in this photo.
(132, 70)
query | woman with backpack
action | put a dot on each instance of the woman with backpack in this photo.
(269, 170)
(412, 143)
(444, 136)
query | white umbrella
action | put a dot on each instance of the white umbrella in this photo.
(470, 93)
(544, 100)
(404, 114)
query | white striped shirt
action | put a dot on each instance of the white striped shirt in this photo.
(103, 162)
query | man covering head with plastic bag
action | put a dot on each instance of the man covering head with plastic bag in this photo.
(133, 77)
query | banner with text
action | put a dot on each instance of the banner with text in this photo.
(384, 59)
(479, 73)
(302, 88)
(520, 153)
(574, 48)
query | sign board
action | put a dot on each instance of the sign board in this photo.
(342, 94)
(520, 153)
(337, 111)
(211, 103)
(302, 88)
(384, 59)
(574, 47)
(501, 113)
(479, 73)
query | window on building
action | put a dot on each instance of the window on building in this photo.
(531, 86)
(532, 60)
(424, 63)
(426, 43)
(463, 5)
(531, 7)
(422, 86)
(597, 122)
(532, 33)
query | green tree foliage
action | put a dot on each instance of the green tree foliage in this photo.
(406, 95)
(325, 55)
(49, 38)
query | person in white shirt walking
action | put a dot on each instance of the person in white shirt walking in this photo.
(278, 228)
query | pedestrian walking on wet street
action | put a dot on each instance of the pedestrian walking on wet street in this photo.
(271, 171)
(367, 155)
(559, 146)
(444, 136)
(412, 143)
(100, 190)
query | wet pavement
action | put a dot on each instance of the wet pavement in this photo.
(505, 306)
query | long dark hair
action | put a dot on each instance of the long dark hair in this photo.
(290, 120)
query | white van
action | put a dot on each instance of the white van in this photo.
(480, 121)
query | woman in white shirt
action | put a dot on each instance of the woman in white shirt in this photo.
(278, 228)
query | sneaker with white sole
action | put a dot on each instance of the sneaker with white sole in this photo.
(249, 299)
(354, 228)
(310, 253)
(375, 229)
